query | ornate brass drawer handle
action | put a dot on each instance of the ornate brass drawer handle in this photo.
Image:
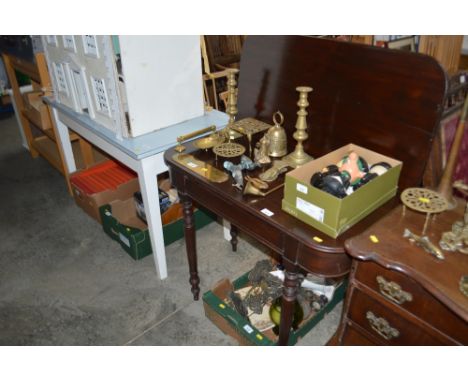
(381, 326)
(393, 291)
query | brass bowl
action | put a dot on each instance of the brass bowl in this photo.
(209, 141)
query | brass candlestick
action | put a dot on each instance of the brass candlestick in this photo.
(298, 157)
(231, 108)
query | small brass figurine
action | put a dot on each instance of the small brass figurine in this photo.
(261, 153)
(298, 157)
(457, 238)
(424, 243)
(277, 137)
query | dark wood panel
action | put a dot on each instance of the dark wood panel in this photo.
(409, 332)
(352, 337)
(385, 100)
(422, 304)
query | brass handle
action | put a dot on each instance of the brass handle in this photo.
(183, 138)
(393, 291)
(381, 326)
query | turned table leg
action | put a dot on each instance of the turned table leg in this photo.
(234, 241)
(290, 287)
(190, 244)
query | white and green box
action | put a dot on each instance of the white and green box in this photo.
(327, 213)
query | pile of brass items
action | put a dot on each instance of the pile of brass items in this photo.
(457, 238)
(277, 137)
(229, 150)
(464, 285)
(278, 167)
(179, 148)
(299, 157)
(424, 243)
(423, 200)
(248, 127)
(210, 141)
(265, 287)
(201, 168)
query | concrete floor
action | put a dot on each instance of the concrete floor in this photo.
(64, 282)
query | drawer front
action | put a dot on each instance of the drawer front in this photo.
(409, 295)
(352, 337)
(385, 323)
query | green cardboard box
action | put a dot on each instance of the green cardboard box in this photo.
(121, 223)
(233, 324)
(327, 213)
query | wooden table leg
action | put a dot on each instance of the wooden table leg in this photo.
(190, 243)
(234, 241)
(290, 287)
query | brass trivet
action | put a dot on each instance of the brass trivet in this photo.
(424, 200)
(229, 150)
(249, 126)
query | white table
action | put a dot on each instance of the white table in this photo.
(143, 154)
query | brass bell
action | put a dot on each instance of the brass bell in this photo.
(277, 137)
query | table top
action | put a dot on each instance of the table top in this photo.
(148, 144)
(439, 277)
(263, 218)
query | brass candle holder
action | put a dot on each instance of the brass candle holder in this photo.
(298, 157)
(231, 108)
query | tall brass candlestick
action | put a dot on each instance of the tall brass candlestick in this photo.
(445, 185)
(231, 108)
(298, 157)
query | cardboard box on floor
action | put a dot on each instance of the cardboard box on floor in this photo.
(327, 213)
(233, 324)
(91, 203)
(121, 222)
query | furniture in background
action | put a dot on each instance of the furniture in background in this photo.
(371, 105)
(398, 293)
(445, 49)
(143, 154)
(34, 115)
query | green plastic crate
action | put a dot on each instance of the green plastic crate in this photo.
(136, 242)
(232, 323)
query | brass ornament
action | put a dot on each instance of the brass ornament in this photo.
(381, 326)
(423, 200)
(277, 137)
(457, 238)
(274, 171)
(209, 141)
(299, 157)
(393, 291)
(424, 243)
(180, 148)
(248, 127)
(464, 285)
(201, 168)
(229, 150)
(261, 153)
(231, 108)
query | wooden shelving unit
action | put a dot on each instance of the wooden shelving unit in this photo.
(38, 126)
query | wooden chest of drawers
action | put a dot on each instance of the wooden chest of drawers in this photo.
(398, 293)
